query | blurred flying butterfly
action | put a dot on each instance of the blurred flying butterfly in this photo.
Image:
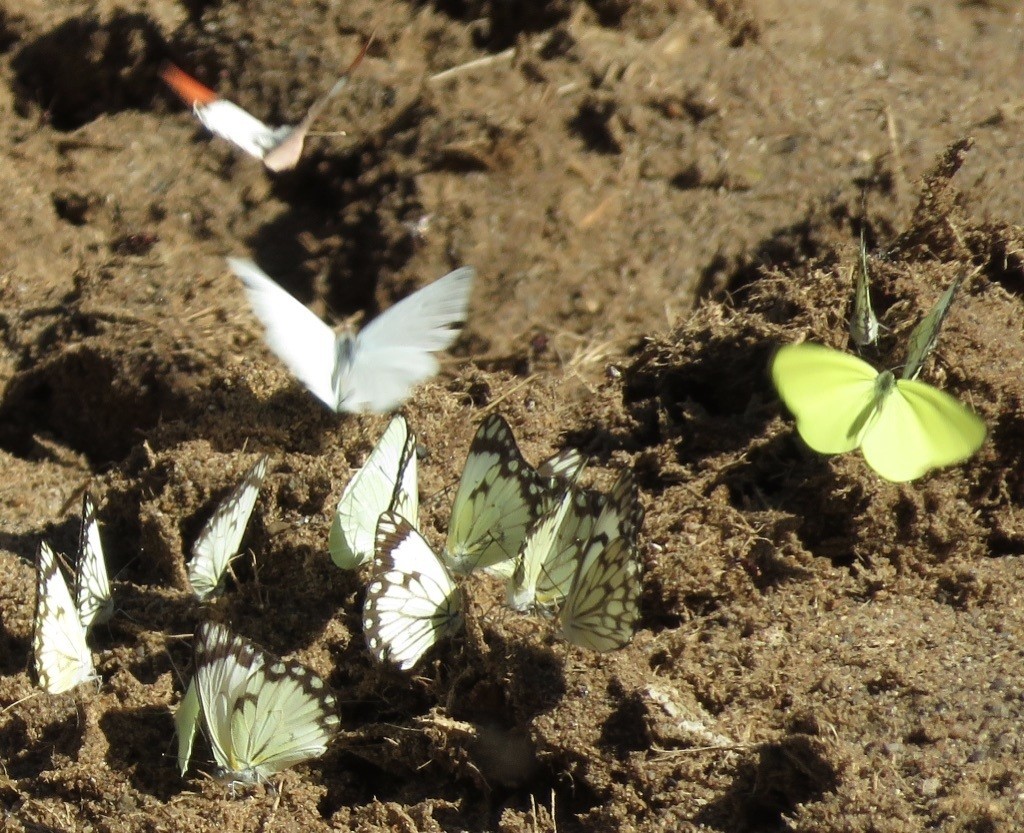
(220, 539)
(261, 714)
(62, 657)
(386, 481)
(554, 547)
(411, 601)
(376, 369)
(278, 147)
(499, 499)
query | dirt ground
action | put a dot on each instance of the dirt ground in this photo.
(656, 195)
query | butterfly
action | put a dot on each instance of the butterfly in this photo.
(62, 657)
(386, 481)
(924, 336)
(863, 323)
(554, 547)
(278, 147)
(260, 713)
(902, 426)
(376, 369)
(500, 497)
(92, 585)
(411, 601)
(219, 540)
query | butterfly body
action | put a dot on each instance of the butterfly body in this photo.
(261, 714)
(375, 370)
(902, 426)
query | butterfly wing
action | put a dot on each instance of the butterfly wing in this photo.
(186, 719)
(262, 714)
(295, 335)
(395, 351)
(831, 394)
(218, 543)
(918, 428)
(925, 335)
(62, 657)
(92, 585)
(500, 497)
(411, 601)
(388, 477)
(603, 605)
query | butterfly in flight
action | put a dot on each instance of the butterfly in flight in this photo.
(278, 147)
(220, 539)
(411, 600)
(386, 481)
(261, 714)
(375, 369)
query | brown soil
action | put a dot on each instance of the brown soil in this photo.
(656, 195)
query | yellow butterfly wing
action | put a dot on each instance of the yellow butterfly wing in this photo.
(831, 394)
(918, 428)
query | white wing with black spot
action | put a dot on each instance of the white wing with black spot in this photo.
(62, 657)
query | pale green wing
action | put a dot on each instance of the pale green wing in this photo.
(924, 336)
(186, 719)
(603, 605)
(863, 323)
(220, 539)
(411, 601)
(92, 585)
(918, 428)
(831, 394)
(387, 478)
(62, 657)
(500, 497)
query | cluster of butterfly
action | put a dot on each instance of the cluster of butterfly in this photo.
(903, 427)
(559, 547)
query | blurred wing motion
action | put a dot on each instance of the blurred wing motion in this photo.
(62, 657)
(92, 585)
(375, 370)
(261, 714)
(924, 336)
(903, 427)
(278, 147)
(602, 606)
(387, 481)
(863, 323)
(499, 499)
(220, 539)
(411, 601)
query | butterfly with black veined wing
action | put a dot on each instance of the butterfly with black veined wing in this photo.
(261, 714)
(554, 547)
(411, 600)
(61, 656)
(925, 335)
(219, 540)
(863, 322)
(903, 427)
(376, 369)
(386, 481)
(278, 147)
(92, 584)
(499, 499)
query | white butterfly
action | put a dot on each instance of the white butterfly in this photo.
(218, 543)
(863, 322)
(376, 369)
(499, 499)
(278, 147)
(62, 657)
(925, 335)
(386, 481)
(553, 548)
(411, 601)
(92, 585)
(261, 714)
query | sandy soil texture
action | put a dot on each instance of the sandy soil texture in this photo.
(657, 194)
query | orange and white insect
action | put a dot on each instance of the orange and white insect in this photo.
(278, 147)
